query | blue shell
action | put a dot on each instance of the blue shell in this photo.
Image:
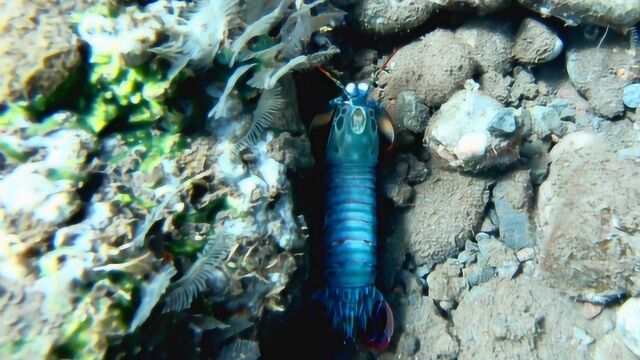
(350, 222)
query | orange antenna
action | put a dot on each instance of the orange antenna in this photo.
(384, 65)
(332, 77)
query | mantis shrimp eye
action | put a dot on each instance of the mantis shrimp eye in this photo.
(363, 88)
(350, 88)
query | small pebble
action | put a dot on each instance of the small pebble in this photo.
(525, 254)
(631, 95)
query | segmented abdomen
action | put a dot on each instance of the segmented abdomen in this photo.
(350, 226)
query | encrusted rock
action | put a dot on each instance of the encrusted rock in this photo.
(537, 155)
(588, 213)
(497, 86)
(423, 321)
(617, 13)
(518, 319)
(536, 43)
(446, 283)
(495, 257)
(410, 113)
(421, 68)
(601, 73)
(567, 92)
(53, 51)
(397, 181)
(481, 6)
(474, 132)
(524, 85)
(293, 152)
(449, 207)
(382, 17)
(544, 121)
(491, 44)
(512, 200)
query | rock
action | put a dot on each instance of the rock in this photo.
(25, 192)
(449, 207)
(292, 152)
(536, 43)
(469, 254)
(601, 74)
(446, 282)
(524, 85)
(421, 68)
(630, 153)
(476, 274)
(611, 347)
(390, 17)
(481, 6)
(628, 324)
(537, 155)
(488, 226)
(588, 214)
(518, 319)
(495, 255)
(568, 92)
(408, 345)
(491, 44)
(631, 95)
(474, 132)
(240, 349)
(410, 113)
(423, 321)
(525, 254)
(512, 200)
(54, 50)
(396, 181)
(497, 86)
(620, 14)
(545, 121)
(565, 109)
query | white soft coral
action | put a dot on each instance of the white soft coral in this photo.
(196, 34)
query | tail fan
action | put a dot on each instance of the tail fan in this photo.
(379, 331)
(360, 310)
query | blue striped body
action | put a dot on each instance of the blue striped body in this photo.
(350, 224)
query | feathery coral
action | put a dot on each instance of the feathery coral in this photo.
(194, 281)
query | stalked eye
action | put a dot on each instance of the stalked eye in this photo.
(350, 88)
(358, 120)
(363, 87)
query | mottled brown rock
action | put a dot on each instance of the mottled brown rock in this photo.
(617, 13)
(518, 319)
(536, 43)
(38, 48)
(601, 73)
(422, 320)
(491, 44)
(449, 207)
(433, 68)
(383, 17)
(590, 219)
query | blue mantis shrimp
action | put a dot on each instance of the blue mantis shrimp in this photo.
(350, 225)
